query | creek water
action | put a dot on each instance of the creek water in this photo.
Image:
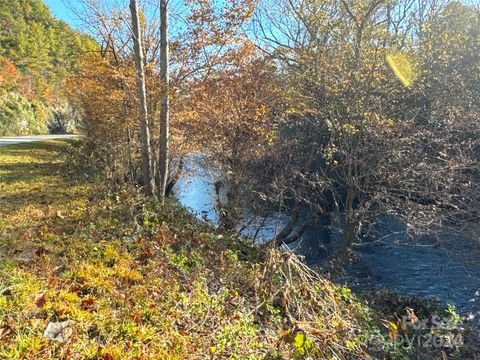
(433, 267)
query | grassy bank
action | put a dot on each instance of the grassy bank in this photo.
(128, 280)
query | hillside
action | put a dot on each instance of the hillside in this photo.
(37, 53)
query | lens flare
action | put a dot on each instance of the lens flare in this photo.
(404, 67)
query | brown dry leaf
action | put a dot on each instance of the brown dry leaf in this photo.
(136, 318)
(6, 333)
(88, 303)
(41, 300)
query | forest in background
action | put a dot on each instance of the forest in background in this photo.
(37, 54)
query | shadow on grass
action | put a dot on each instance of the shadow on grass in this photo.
(31, 174)
(12, 173)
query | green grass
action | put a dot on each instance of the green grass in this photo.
(139, 281)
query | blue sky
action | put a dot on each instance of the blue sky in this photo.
(62, 12)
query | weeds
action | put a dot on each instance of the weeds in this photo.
(138, 281)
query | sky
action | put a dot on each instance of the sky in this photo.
(62, 12)
(61, 9)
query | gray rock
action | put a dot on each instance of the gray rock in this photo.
(59, 331)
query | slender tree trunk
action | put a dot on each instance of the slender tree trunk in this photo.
(164, 110)
(142, 99)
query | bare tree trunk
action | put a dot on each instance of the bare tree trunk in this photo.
(294, 235)
(164, 110)
(142, 97)
(174, 179)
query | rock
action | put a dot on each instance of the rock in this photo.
(59, 331)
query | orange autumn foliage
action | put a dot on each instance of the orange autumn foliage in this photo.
(8, 72)
(103, 91)
(230, 112)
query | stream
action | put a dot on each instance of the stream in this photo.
(432, 267)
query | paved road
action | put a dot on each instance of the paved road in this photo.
(24, 139)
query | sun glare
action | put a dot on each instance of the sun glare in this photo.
(403, 66)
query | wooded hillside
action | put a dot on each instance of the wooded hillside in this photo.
(37, 53)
